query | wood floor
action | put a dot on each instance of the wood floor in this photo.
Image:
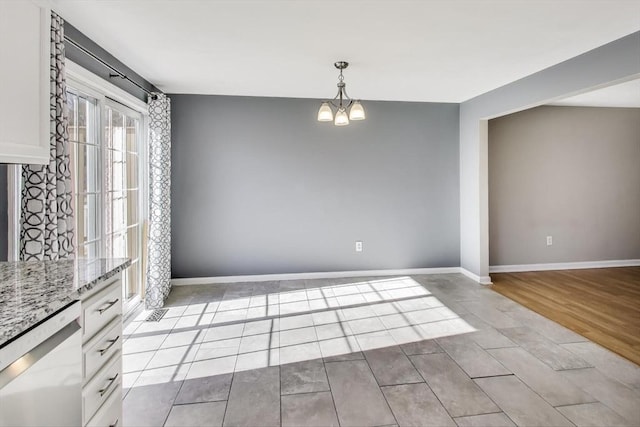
(601, 304)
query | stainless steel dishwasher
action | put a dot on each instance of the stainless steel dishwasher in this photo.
(41, 376)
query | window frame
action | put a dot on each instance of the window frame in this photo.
(109, 95)
(81, 90)
(141, 189)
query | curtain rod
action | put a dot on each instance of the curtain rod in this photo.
(117, 72)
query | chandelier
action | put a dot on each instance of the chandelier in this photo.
(341, 103)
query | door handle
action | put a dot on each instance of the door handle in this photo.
(111, 343)
(109, 305)
(111, 381)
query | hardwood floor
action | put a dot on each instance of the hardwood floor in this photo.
(601, 304)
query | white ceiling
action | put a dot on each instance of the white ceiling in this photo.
(438, 50)
(621, 95)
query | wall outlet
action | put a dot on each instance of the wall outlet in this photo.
(358, 246)
(549, 240)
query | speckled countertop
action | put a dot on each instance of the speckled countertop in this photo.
(31, 291)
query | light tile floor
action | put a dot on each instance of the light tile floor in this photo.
(420, 350)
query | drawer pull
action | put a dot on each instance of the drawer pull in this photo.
(109, 305)
(115, 423)
(104, 390)
(111, 343)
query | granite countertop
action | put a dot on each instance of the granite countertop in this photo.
(31, 291)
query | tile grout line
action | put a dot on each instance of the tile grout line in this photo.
(493, 376)
(468, 376)
(530, 389)
(582, 403)
(333, 399)
(379, 388)
(279, 387)
(427, 383)
(326, 374)
(226, 404)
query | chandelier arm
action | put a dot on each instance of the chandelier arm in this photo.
(344, 89)
(332, 103)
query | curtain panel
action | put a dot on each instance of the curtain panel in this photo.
(159, 243)
(46, 219)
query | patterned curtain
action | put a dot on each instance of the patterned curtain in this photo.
(159, 247)
(47, 222)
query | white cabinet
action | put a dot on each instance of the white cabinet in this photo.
(24, 82)
(101, 320)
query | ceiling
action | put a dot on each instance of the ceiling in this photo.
(431, 50)
(621, 95)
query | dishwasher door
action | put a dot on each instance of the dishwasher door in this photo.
(44, 387)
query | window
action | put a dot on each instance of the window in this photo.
(107, 144)
(122, 224)
(86, 165)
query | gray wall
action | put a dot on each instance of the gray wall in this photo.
(568, 172)
(259, 186)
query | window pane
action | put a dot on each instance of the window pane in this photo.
(132, 281)
(115, 170)
(132, 127)
(117, 131)
(87, 218)
(86, 172)
(132, 170)
(106, 134)
(117, 212)
(90, 250)
(133, 234)
(82, 119)
(132, 207)
(117, 245)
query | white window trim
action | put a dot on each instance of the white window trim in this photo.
(101, 87)
(13, 207)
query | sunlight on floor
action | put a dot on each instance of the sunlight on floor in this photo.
(272, 328)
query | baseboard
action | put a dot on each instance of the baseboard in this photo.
(564, 266)
(483, 280)
(319, 275)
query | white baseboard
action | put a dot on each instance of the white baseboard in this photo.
(483, 280)
(320, 275)
(564, 266)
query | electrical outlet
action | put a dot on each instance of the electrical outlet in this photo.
(549, 240)
(358, 246)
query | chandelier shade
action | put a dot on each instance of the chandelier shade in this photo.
(324, 113)
(357, 111)
(341, 103)
(341, 117)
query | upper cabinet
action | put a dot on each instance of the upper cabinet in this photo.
(24, 82)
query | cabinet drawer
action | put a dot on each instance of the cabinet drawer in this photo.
(105, 382)
(100, 349)
(110, 414)
(100, 309)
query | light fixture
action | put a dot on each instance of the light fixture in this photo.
(341, 102)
